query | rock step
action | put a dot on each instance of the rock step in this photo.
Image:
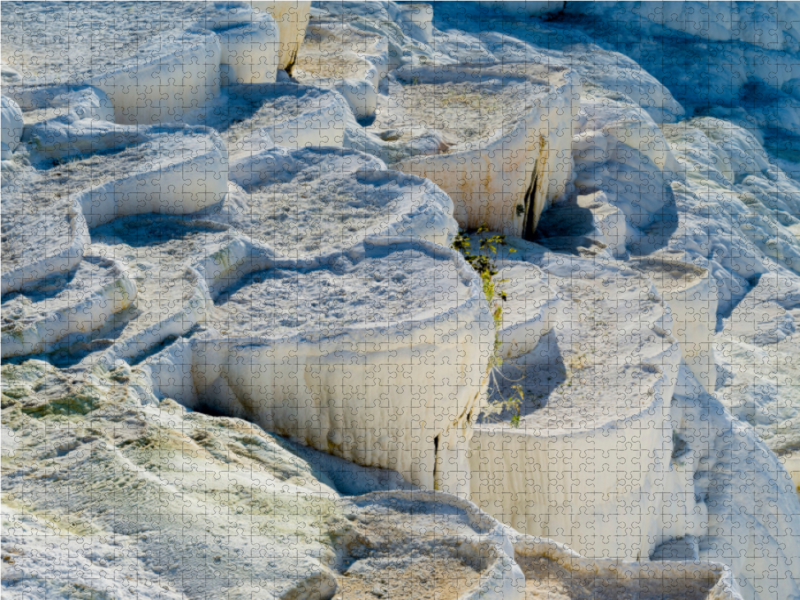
(530, 146)
(255, 118)
(596, 393)
(312, 202)
(529, 310)
(421, 356)
(691, 295)
(65, 307)
(11, 124)
(171, 298)
(553, 569)
(30, 207)
(174, 170)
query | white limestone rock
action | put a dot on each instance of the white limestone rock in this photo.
(615, 74)
(257, 117)
(178, 170)
(757, 25)
(689, 291)
(609, 222)
(66, 307)
(9, 75)
(249, 42)
(411, 315)
(756, 346)
(495, 34)
(596, 395)
(552, 569)
(528, 308)
(764, 557)
(32, 206)
(510, 199)
(343, 56)
(291, 17)
(416, 20)
(619, 150)
(12, 125)
(344, 195)
(164, 450)
(150, 74)
(401, 540)
(59, 45)
(120, 452)
(588, 225)
(63, 138)
(404, 27)
(172, 297)
(44, 102)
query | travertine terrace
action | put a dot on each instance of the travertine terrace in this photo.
(462, 300)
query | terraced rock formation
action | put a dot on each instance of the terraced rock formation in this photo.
(247, 350)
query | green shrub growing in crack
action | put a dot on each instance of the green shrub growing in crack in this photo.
(484, 265)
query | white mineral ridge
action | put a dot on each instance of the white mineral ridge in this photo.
(178, 170)
(123, 450)
(172, 297)
(347, 58)
(11, 124)
(257, 118)
(249, 42)
(715, 444)
(661, 140)
(404, 312)
(72, 304)
(535, 168)
(757, 372)
(610, 224)
(618, 149)
(689, 292)
(317, 200)
(528, 310)
(43, 102)
(415, 19)
(194, 54)
(758, 25)
(27, 211)
(291, 16)
(116, 473)
(592, 387)
(63, 138)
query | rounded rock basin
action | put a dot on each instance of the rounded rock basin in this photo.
(34, 202)
(385, 288)
(463, 105)
(156, 251)
(251, 118)
(409, 544)
(687, 289)
(554, 571)
(347, 355)
(595, 393)
(72, 53)
(65, 307)
(315, 201)
(333, 49)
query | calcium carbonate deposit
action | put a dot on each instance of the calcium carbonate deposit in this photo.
(399, 286)
(358, 300)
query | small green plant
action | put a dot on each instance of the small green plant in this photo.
(484, 265)
(514, 403)
(486, 269)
